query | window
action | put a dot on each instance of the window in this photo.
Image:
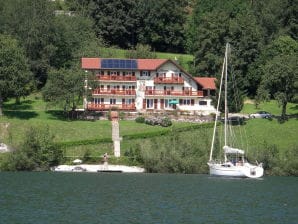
(202, 102)
(145, 73)
(168, 103)
(149, 103)
(112, 101)
(128, 73)
(128, 101)
(185, 102)
(95, 100)
(98, 100)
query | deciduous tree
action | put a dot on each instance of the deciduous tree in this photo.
(15, 77)
(280, 73)
(65, 88)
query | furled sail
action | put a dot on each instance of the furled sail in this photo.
(231, 150)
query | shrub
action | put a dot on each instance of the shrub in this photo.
(140, 120)
(164, 122)
(38, 152)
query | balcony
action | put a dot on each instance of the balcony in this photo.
(117, 78)
(168, 80)
(125, 92)
(173, 93)
(99, 107)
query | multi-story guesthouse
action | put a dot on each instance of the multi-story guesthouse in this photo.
(147, 85)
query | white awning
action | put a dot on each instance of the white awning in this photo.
(231, 150)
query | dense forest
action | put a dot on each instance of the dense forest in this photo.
(42, 42)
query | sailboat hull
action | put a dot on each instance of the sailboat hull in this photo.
(229, 170)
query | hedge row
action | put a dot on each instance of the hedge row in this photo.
(84, 142)
(133, 136)
(146, 135)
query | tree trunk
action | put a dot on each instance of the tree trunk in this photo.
(284, 110)
(18, 100)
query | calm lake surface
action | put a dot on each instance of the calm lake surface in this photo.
(48, 197)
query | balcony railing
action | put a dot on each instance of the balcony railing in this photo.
(168, 80)
(117, 78)
(95, 106)
(173, 93)
(129, 92)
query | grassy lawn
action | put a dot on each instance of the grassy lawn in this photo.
(271, 132)
(257, 133)
(270, 106)
(33, 112)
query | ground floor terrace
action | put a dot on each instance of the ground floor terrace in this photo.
(152, 103)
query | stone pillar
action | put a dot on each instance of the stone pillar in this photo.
(115, 133)
(85, 102)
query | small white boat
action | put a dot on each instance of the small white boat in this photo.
(234, 163)
(98, 168)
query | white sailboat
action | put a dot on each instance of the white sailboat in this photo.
(234, 164)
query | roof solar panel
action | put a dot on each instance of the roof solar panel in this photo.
(119, 63)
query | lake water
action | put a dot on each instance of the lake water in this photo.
(48, 197)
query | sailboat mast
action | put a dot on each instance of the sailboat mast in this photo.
(217, 109)
(226, 95)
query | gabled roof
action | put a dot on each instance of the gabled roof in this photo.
(142, 64)
(150, 64)
(90, 63)
(206, 82)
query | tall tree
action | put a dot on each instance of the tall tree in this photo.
(15, 76)
(277, 18)
(31, 22)
(280, 76)
(64, 88)
(114, 21)
(161, 24)
(71, 35)
(126, 23)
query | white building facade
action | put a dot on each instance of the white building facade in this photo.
(144, 85)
